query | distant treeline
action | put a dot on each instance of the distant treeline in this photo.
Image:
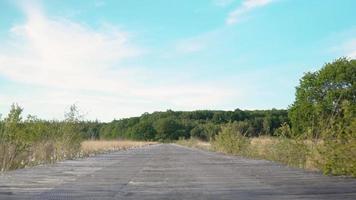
(203, 124)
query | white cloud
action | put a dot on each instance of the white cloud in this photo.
(244, 8)
(67, 62)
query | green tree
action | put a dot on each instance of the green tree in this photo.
(320, 96)
(198, 132)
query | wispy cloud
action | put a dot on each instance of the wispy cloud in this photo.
(64, 54)
(245, 7)
(71, 62)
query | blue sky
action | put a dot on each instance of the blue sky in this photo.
(120, 58)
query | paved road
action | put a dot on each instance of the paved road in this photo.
(171, 172)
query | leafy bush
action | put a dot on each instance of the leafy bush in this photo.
(339, 148)
(33, 141)
(291, 152)
(231, 140)
(283, 131)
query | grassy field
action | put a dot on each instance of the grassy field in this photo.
(89, 147)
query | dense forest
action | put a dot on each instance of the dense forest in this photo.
(203, 124)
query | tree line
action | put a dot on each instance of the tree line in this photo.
(202, 124)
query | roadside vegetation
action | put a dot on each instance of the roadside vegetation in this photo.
(32, 141)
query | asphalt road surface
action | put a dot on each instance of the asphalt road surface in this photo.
(167, 171)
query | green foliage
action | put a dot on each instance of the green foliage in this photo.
(205, 131)
(292, 152)
(339, 147)
(13, 137)
(198, 132)
(339, 158)
(143, 131)
(169, 129)
(284, 131)
(33, 141)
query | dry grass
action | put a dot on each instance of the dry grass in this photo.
(99, 146)
(195, 143)
(262, 145)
